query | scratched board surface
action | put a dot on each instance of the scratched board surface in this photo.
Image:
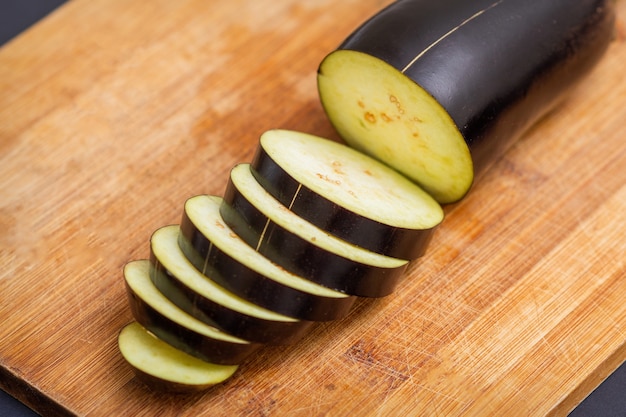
(113, 113)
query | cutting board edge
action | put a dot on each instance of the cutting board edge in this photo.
(591, 382)
(29, 395)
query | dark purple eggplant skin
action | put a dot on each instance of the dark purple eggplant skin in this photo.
(396, 242)
(255, 287)
(302, 258)
(233, 322)
(211, 350)
(497, 67)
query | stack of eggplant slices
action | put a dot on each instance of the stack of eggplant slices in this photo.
(312, 224)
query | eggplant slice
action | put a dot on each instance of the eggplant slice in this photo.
(165, 368)
(211, 245)
(176, 277)
(174, 326)
(301, 247)
(347, 193)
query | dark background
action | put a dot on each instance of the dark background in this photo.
(609, 400)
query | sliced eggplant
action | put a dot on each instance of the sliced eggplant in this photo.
(439, 90)
(216, 250)
(169, 323)
(165, 368)
(347, 193)
(301, 247)
(175, 276)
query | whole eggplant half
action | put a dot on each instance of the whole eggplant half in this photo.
(440, 89)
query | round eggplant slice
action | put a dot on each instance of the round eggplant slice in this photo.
(165, 368)
(174, 275)
(217, 251)
(347, 193)
(301, 247)
(169, 323)
(440, 89)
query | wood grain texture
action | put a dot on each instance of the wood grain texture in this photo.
(113, 112)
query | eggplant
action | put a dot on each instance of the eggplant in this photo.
(208, 242)
(346, 193)
(301, 247)
(174, 275)
(426, 95)
(165, 368)
(439, 90)
(157, 314)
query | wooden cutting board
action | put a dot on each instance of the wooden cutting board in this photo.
(114, 112)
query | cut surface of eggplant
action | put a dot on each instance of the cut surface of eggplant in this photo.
(175, 276)
(439, 90)
(385, 114)
(160, 316)
(213, 246)
(166, 368)
(347, 193)
(301, 247)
